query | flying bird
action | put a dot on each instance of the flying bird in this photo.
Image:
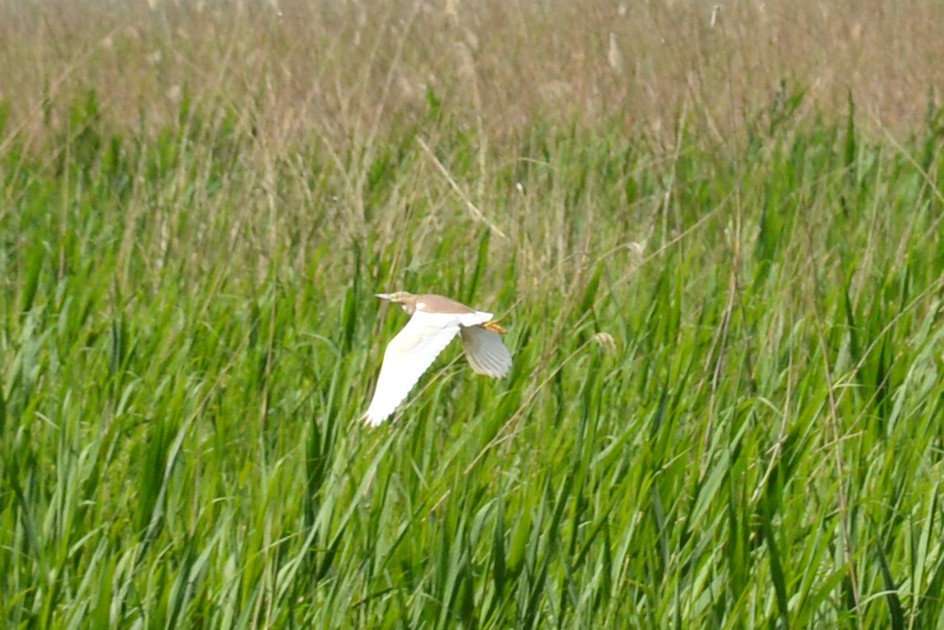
(435, 320)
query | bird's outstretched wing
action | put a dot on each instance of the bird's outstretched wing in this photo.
(486, 351)
(408, 355)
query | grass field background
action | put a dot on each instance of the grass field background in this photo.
(713, 232)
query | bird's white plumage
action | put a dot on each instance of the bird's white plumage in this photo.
(414, 349)
(474, 318)
(485, 351)
(408, 355)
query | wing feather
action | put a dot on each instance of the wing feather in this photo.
(486, 351)
(407, 356)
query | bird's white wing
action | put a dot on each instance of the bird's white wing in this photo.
(408, 355)
(486, 351)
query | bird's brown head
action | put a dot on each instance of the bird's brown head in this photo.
(407, 301)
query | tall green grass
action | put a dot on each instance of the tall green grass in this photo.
(188, 339)
(720, 271)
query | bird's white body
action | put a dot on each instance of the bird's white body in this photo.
(435, 322)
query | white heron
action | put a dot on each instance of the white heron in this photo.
(435, 320)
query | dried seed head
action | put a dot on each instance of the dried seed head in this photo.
(605, 340)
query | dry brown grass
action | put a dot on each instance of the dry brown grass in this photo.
(349, 70)
(310, 94)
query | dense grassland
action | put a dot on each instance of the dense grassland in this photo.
(714, 235)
